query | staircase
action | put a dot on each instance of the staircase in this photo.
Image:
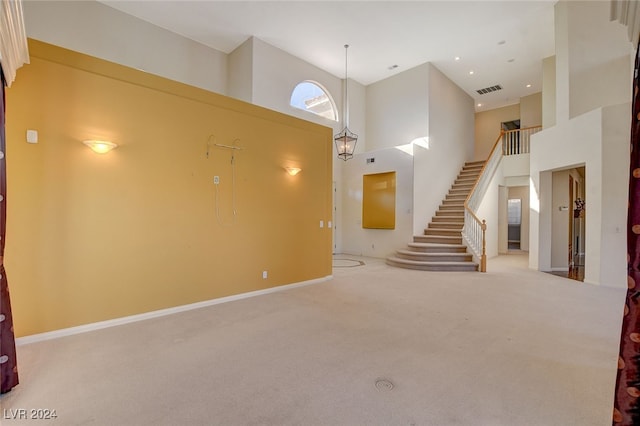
(441, 248)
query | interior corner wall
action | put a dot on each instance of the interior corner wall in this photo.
(101, 31)
(487, 128)
(358, 115)
(562, 59)
(548, 92)
(397, 109)
(240, 72)
(601, 85)
(96, 237)
(531, 110)
(598, 57)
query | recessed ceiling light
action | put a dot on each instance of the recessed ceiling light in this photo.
(501, 42)
(393, 67)
(479, 105)
(471, 72)
(457, 58)
(528, 85)
(511, 60)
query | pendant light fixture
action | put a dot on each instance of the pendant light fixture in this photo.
(346, 140)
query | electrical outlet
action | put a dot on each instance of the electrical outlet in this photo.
(264, 275)
(216, 180)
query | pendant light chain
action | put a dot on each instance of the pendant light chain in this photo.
(346, 86)
(346, 140)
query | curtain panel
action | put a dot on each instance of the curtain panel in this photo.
(14, 51)
(627, 392)
(8, 362)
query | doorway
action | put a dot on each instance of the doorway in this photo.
(568, 217)
(514, 223)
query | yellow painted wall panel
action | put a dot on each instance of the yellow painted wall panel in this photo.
(379, 201)
(95, 237)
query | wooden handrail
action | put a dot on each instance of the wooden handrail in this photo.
(481, 223)
(473, 188)
(479, 227)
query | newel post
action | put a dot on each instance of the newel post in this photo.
(483, 258)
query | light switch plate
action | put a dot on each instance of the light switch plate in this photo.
(32, 136)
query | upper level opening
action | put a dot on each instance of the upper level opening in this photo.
(312, 97)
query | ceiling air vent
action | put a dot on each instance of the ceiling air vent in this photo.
(489, 89)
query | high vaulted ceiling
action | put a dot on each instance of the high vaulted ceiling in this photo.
(501, 42)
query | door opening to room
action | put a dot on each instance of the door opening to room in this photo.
(514, 217)
(577, 224)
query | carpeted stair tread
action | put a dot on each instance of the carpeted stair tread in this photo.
(433, 257)
(448, 219)
(432, 266)
(446, 225)
(440, 248)
(445, 248)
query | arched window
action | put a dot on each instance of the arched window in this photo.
(310, 96)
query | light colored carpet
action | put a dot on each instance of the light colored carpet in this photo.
(509, 347)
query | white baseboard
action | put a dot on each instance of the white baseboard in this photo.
(34, 338)
(560, 269)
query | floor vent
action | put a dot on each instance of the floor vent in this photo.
(384, 385)
(489, 89)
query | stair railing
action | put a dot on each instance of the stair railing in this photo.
(509, 142)
(518, 141)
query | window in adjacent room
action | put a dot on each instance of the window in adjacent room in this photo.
(310, 96)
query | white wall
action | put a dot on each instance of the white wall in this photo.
(275, 74)
(377, 242)
(450, 131)
(598, 53)
(615, 196)
(95, 29)
(489, 210)
(487, 128)
(422, 102)
(516, 165)
(604, 85)
(549, 92)
(398, 108)
(531, 110)
(240, 72)
(590, 50)
(598, 139)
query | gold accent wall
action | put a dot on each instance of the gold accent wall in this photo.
(95, 237)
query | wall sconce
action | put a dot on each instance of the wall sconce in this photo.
(100, 147)
(293, 170)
